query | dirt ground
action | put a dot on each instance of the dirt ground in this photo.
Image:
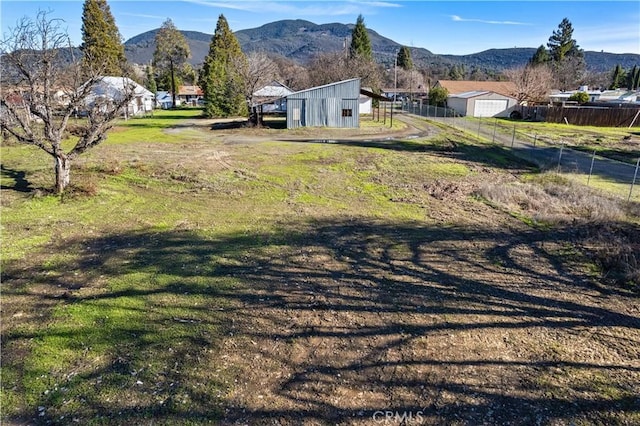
(470, 317)
(434, 325)
(473, 318)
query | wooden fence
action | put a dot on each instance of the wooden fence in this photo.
(585, 115)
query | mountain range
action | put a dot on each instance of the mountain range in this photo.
(300, 40)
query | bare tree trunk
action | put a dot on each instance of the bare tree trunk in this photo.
(63, 172)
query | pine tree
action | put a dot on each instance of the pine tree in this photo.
(102, 47)
(220, 76)
(561, 44)
(151, 80)
(567, 57)
(632, 78)
(456, 73)
(404, 58)
(360, 43)
(540, 57)
(617, 78)
(171, 53)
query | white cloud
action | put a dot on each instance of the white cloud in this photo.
(457, 18)
(298, 8)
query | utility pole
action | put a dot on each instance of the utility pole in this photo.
(395, 80)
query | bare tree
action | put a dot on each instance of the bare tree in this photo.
(41, 92)
(533, 82)
(260, 71)
(293, 74)
(569, 72)
(411, 80)
(331, 67)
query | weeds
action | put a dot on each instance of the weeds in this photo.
(598, 221)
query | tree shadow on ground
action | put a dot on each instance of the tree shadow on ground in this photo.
(489, 155)
(21, 184)
(333, 321)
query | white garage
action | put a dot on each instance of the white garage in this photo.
(481, 104)
(489, 107)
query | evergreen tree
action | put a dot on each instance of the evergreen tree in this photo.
(150, 80)
(102, 47)
(561, 44)
(632, 78)
(404, 58)
(540, 57)
(617, 78)
(360, 43)
(566, 56)
(171, 53)
(221, 75)
(456, 73)
(438, 96)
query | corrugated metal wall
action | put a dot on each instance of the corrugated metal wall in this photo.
(332, 105)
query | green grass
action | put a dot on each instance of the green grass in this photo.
(116, 302)
(140, 265)
(612, 142)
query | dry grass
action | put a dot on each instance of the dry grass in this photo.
(221, 279)
(553, 199)
(599, 221)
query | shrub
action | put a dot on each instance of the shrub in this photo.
(580, 97)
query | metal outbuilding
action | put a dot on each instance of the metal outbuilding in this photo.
(331, 105)
(482, 104)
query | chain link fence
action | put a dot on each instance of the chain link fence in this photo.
(547, 152)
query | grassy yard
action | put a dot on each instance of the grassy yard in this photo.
(198, 273)
(618, 143)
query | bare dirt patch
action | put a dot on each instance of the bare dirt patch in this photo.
(443, 324)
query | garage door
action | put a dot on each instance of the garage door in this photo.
(489, 107)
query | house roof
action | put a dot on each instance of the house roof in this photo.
(275, 89)
(190, 90)
(163, 95)
(113, 86)
(456, 87)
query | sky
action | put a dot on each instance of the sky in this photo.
(443, 27)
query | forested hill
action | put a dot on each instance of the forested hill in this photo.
(300, 40)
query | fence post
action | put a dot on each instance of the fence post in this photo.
(513, 137)
(560, 156)
(495, 125)
(633, 182)
(479, 123)
(385, 114)
(593, 157)
(535, 139)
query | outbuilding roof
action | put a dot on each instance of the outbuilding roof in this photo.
(457, 87)
(471, 94)
(275, 89)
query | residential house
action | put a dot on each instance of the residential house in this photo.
(112, 88)
(190, 95)
(272, 97)
(558, 97)
(621, 96)
(164, 99)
